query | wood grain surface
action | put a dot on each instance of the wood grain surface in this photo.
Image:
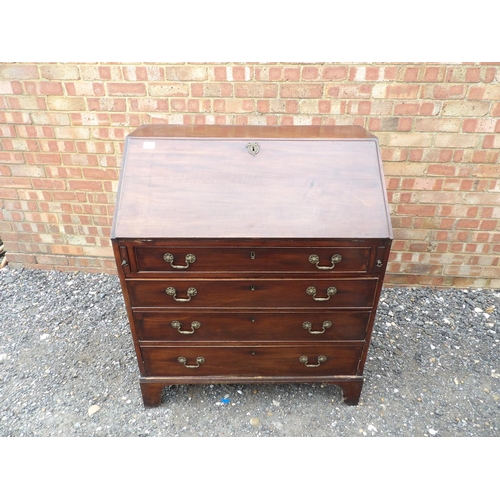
(250, 326)
(319, 186)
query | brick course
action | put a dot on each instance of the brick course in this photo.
(62, 128)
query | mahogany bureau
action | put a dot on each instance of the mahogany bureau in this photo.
(251, 254)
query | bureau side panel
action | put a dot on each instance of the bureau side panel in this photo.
(120, 253)
(384, 252)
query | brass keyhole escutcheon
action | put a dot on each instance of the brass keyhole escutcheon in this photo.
(253, 148)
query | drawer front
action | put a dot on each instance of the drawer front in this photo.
(296, 360)
(324, 293)
(230, 259)
(207, 326)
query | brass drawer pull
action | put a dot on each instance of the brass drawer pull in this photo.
(312, 291)
(191, 292)
(190, 259)
(307, 325)
(321, 359)
(314, 259)
(194, 326)
(199, 360)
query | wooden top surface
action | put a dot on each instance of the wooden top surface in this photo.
(254, 131)
(201, 182)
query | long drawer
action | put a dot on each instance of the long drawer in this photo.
(252, 259)
(296, 360)
(269, 293)
(216, 326)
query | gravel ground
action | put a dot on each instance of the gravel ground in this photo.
(68, 368)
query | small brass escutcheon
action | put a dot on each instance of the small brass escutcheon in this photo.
(253, 148)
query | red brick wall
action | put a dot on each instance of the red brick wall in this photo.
(62, 128)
